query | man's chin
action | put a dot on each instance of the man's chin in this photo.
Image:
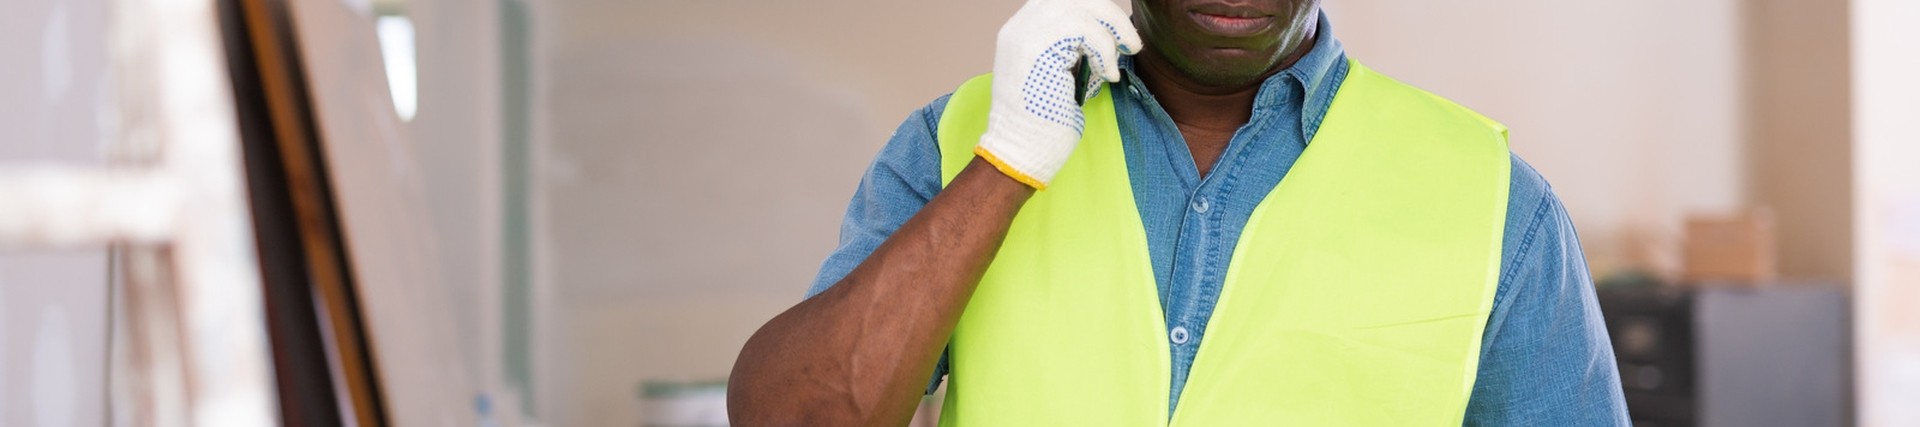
(1226, 62)
(1229, 71)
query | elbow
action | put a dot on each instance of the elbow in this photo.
(749, 400)
(763, 391)
(744, 408)
(753, 402)
(782, 378)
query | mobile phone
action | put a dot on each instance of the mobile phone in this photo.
(1081, 75)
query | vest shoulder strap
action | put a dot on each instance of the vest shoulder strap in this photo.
(962, 123)
(1385, 96)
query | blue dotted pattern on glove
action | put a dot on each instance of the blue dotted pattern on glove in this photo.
(1041, 90)
(1124, 50)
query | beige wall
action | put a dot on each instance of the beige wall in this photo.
(1799, 138)
(1631, 109)
(1641, 112)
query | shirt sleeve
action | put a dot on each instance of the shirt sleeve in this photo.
(903, 177)
(1546, 358)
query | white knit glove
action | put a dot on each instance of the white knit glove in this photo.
(1035, 121)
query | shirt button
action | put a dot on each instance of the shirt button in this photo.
(1201, 206)
(1179, 335)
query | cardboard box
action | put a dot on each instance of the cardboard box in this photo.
(1730, 249)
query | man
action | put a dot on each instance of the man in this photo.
(1139, 259)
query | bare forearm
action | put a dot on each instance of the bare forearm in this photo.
(861, 352)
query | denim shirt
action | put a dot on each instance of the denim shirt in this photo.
(1545, 358)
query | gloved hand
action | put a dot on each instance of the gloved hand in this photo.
(1034, 121)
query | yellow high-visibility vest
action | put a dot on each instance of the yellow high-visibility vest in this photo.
(1356, 296)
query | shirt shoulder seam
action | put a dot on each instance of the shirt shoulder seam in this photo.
(1535, 223)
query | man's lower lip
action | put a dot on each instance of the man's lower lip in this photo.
(1231, 26)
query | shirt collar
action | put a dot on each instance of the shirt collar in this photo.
(1318, 73)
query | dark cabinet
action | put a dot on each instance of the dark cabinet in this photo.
(1727, 356)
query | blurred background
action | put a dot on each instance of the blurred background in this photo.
(574, 212)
